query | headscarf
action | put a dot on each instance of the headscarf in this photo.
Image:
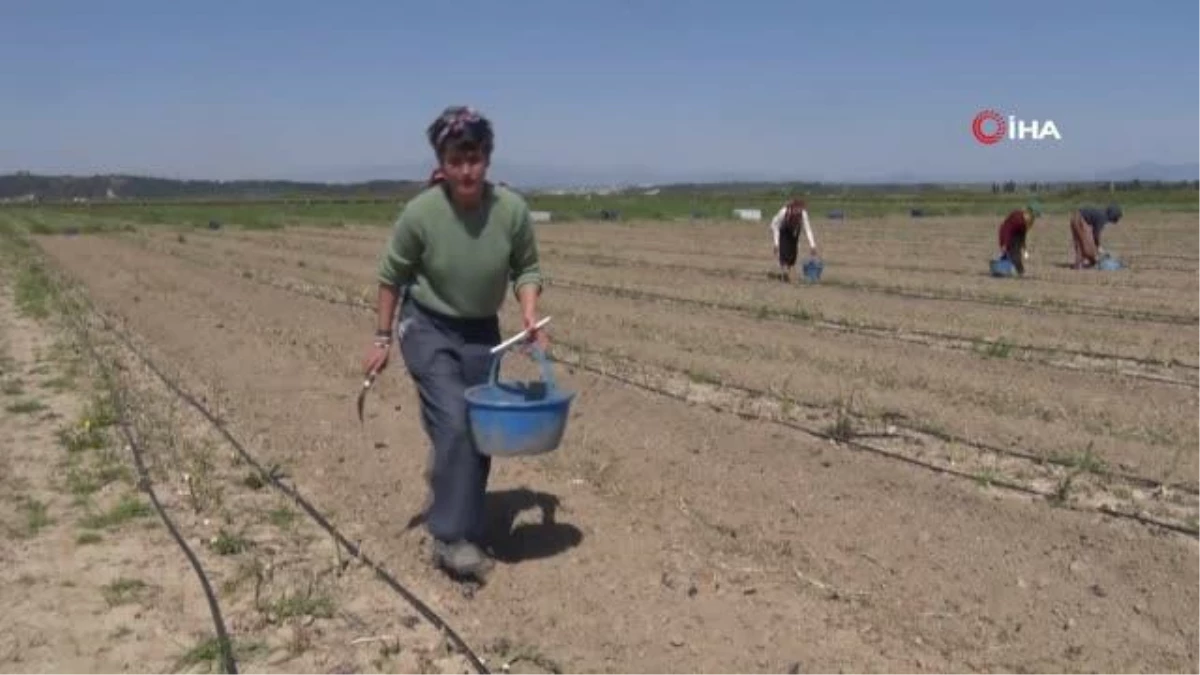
(460, 122)
(1113, 212)
(1035, 208)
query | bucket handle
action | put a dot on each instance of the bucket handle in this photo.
(539, 355)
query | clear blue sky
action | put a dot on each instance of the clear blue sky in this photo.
(832, 90)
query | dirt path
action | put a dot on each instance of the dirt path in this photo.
(683, 538)
(97, 582)
(90, 580)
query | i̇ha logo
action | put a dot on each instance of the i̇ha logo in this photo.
(990, 127)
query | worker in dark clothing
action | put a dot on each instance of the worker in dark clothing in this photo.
(1086, 226)
(1013, 233)
(786, 228)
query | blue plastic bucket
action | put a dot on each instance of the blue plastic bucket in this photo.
(813, 269)
(518, 418)
(1109, 264)
(1002, 267)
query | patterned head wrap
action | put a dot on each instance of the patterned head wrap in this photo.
(794, 207)
(460, 122)
(792, 214)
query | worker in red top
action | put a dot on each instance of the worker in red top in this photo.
(1013, 232)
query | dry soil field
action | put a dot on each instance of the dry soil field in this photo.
(909, 466)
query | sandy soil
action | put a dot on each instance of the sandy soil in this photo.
(81, 592)
(1057, 413)
(1030, 439)
(684, 538)
(1134, 330)
(96, 582)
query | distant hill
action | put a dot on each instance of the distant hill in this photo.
(1150, 171)
(23, 185)
(531, 176)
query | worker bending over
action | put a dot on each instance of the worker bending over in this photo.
(785, 230)
(1013, 233)
(1086, 225)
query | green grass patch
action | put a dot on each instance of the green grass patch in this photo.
(282, 517)
(83, 482)
(82, 438)
(1086, 460)
(26, 407)
(37, 516)
(303, 603)
(127, 509)
(60, 383)
(91, 433)
(34, 291)
(1000, 349)
(228, 543)
(123, 591)
(207, 653)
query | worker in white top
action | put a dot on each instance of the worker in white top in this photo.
(785, 230)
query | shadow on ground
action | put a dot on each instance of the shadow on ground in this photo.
(526, 540)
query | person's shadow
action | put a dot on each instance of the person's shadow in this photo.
(526, 541)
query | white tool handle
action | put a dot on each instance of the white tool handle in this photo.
(518, 337)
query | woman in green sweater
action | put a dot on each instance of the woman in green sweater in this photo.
(457, 246)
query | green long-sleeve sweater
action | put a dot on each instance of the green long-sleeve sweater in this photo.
(461, 265)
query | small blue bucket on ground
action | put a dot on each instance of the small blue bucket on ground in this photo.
(1108, 264)
(1002, 267)
(813, 269)
(518, 418)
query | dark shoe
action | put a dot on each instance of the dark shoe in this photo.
(462, 558)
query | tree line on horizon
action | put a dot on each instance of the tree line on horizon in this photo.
(1135, 185)
(29, 187)
(34, 187)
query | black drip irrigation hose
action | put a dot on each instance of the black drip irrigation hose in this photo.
(1125, 476)
(228, 662)
(271, 477)
(1099, 312)
(866, 330)
(940, 435)
(1145, 520)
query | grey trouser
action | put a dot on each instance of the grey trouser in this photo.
(1016, 251)
(445, 355)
